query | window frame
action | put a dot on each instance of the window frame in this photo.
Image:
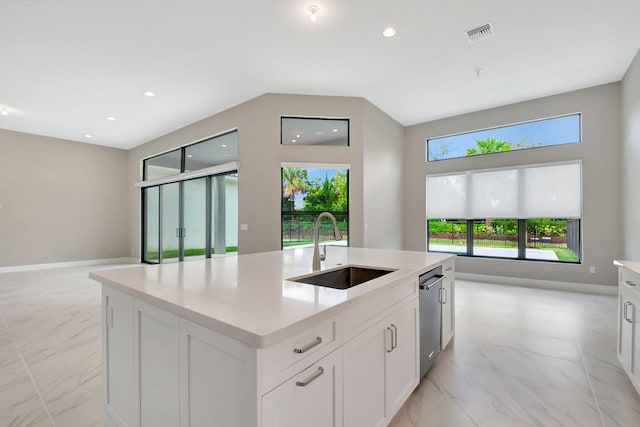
(346, 167)
(183, 156)
(521, 246)
(345, 119)
(579, 114)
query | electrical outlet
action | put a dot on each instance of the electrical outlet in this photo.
(244, 227)
(592, 269)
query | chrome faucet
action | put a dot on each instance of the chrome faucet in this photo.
(316, 236)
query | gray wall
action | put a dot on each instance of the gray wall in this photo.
(631, 159)
(383, 170)
(600, 152)
(60, 200)
(260, 155)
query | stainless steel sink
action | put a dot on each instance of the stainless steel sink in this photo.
(343, 278)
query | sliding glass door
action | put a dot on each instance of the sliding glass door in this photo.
(195, 218)
(191, 219)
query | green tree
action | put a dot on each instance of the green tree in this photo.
(489, 145)
(321, 195)
(294, 181)
(329, 194)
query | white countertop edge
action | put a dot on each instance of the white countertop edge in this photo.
(259, 340)
(631, 265)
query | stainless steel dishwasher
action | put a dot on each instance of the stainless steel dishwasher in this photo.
(430, 317)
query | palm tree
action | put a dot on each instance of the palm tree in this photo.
(294, 181)
(489, 145)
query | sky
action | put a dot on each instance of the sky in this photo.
(555, 131)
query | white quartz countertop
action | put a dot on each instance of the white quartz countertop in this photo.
(249, 298)
(631, 265)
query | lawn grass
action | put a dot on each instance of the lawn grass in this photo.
(173, 253)
(565, 254)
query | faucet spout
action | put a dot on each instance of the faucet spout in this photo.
(316, 237)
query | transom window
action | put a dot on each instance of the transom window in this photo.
(533, 134)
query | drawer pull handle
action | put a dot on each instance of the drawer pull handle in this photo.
(309, 346)
(624, 313)
(311, 379)
(629, 282)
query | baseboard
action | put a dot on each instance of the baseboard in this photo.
(542, 284)
(104, 261)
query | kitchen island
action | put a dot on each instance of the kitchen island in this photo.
(233, 341)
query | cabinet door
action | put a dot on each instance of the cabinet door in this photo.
(403, 369)
(156, 371)
(217, 379)
(117, 348)
(448, 310)
(626, 315)
(313, 398)
(364, 360)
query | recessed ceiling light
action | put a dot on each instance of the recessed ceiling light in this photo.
(389, 32)
(189, 155)
(149, 93)
(223, 145)
(319, 132)
(111, 118)
(313, 10)
(335, 130)
(297, 136)
(86, 135)
(4, 112)
(294, 140)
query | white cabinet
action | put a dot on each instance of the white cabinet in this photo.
(356, 367)
(629, 324)
(156, 354)
(381, 368)
(218, 379)
(447, 299)
(117, 347)
(313, 398)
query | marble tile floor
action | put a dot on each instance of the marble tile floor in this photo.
(521, 357)
(526, 357)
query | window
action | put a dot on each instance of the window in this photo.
(533, 134)
(307, 192)
(212, 151)
(192, 212)
(531, 212)
(314, 131)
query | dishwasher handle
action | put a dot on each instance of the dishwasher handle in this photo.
(428, 285)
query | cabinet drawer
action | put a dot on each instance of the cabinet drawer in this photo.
(629, 280)
(362, 316)
(312, 398)
(292, 355)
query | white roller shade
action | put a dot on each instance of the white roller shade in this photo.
(552, 192)
(447, 196)
(494, 194)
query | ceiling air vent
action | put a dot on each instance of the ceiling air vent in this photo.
(480, 33)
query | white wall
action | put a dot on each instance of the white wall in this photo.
(631, 159)
(600, 151)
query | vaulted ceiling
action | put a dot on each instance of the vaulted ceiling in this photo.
(67, 65)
